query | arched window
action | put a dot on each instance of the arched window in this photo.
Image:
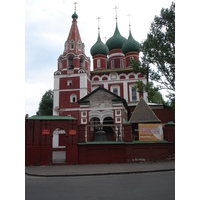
(70, 62)
(72, 45)
(69, 83)
(73, 98)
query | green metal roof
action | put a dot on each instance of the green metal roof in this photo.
(99, 48)
(39, 117)
(130, 45)
(116, 41)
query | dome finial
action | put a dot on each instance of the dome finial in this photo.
(75, 6)
(74, 16)
(116, 12)
(98, 18)
(129, 15)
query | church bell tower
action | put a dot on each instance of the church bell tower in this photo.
(71, 80)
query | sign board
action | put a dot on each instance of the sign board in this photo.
(150, 132)
(72, 132)
(45, 131)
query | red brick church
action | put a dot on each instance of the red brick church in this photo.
(100, 107)
(74, 79)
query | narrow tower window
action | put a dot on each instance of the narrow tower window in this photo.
(72, 45)
(98, 63)
(69, 83)
(121, 63)
(112, 64)
(73, 98)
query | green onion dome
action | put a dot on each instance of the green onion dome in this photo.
(99, 48)
(130, 45)
(116, 41)
(75, 15)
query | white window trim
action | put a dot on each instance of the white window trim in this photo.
(118, 89)
(116, 113)
(82, 121)
(69, 83)
(130, 92)
(112, 64)
(121, 63)
(83, 114)
(98, 63)
(118, 120)
(72, 96)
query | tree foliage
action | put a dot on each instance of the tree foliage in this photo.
(154, 96)
(158, 61)
(159, 49)
(46, 104)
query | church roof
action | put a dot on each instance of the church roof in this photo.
(99, 48)
(116, 41)
(131, 45)
(115, 98)
(44, 117)
(143, 113)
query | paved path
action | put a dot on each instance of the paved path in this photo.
(99, 169)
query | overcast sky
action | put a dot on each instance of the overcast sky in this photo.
(47, 25)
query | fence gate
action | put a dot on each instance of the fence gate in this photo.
(59, 146)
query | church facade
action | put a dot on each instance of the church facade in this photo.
(110, 87)
(98, 116)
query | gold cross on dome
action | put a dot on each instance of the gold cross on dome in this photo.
(75, 6)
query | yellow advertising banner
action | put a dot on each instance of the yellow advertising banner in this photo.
(150, 132)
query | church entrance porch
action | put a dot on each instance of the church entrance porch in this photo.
(102, 127)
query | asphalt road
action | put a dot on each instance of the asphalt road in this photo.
(144, 186)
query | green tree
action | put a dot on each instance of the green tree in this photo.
(46, 104)
(159, 50)
(154, 96)
(158, 60)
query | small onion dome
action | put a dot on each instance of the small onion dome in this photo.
(130, 45)
(116, 41)
(99, 48)
(74, 16)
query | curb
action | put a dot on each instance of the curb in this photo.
(98, 174)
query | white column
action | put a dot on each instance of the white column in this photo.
(56, 93)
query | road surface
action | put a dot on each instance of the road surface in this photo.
(144, 186)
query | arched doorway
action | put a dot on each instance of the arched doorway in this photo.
(94, 123)
(108, 128)
(59, 146)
